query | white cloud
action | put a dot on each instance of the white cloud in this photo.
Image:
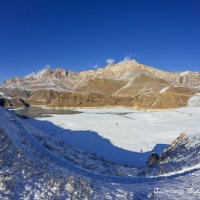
(127, 58)
(95, 67)
(130, 57)
(110, 61)
(47, 66)
(38, 73)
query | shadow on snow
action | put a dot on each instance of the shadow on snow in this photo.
(90, 141)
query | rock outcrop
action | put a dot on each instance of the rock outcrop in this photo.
(172, 146)
(190, 78)
(153, 159)
(58, 73)
(14, 80)
(13, 102)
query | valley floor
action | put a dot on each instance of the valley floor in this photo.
(121, 135)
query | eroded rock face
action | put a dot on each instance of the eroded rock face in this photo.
(52, 98)
(59, 73)
(13, 102)
(68, 99)
(190, 78)
(44, 73)
(14, 80)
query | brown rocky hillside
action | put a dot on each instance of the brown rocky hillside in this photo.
(127, 83)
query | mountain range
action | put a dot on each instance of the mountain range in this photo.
(126, 83)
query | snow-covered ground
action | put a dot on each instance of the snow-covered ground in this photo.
(4, 96)
(120, 134)
(194, 101)
(36, 165)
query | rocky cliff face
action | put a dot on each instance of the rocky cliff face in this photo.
(14, 80)
(58, 73)
(190, 78)
(14, 103)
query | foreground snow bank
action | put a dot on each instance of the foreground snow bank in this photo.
(31, 169)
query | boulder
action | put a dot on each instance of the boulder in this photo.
(153, 159)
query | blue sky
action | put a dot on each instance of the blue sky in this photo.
(79, 34)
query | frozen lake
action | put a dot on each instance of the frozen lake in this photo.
(121, 134)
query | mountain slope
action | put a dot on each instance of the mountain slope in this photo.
(103, 86)
(125, 70)
(115, 85)
(141, 85)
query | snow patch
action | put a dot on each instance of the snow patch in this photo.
(164, 89)
(186, 169)
(194, 101)
(38, 74)
(4, 96)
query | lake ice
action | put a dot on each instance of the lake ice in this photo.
(121, 134)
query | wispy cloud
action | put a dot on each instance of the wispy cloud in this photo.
(38, 73)
(127, 58)
(110, 61)
(131, 56)
(47, 66)
(95, 67)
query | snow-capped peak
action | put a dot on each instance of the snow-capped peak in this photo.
(38, 74)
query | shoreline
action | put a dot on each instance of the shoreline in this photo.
(105, 107)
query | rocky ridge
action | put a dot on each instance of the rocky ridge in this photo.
(125, 70)
(44, 73)
(127, 83)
